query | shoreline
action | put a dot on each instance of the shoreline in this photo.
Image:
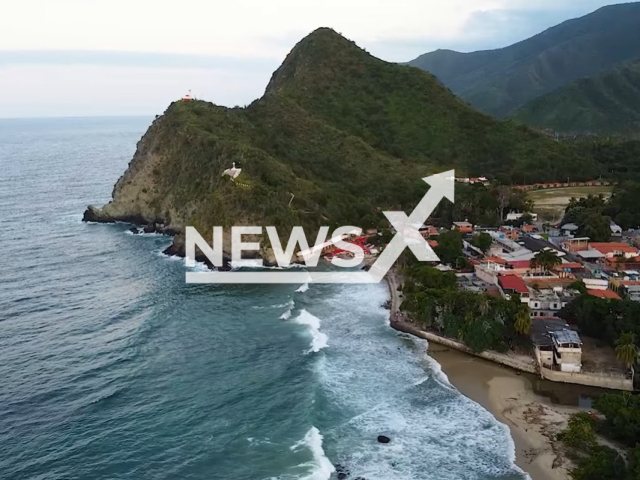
(533, 420)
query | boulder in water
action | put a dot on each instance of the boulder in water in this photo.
(383, 439)
(342, 471)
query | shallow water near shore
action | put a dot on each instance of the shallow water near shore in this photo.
(113, 367)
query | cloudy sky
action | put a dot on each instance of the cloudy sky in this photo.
(133, 57)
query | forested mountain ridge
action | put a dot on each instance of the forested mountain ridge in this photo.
(338, 137)
(499, 81)
(607, 103)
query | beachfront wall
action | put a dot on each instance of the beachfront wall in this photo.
(603, 381)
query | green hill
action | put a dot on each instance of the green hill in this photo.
(607, 103)
(338, 136)
(499, 81)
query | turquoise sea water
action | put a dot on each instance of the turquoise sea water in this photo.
(111, 367)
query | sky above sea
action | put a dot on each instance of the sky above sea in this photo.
(117, 57)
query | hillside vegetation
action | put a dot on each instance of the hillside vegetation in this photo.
(499, 81)
(338, 136)
(606, 103)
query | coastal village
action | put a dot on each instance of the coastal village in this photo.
(545, 267)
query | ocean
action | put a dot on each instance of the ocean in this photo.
(111, 367)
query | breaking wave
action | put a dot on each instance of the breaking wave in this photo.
(303, 288)
(319, 340)
(321, 465)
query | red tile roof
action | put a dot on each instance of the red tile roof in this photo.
(494, 259)
(520, 263)
(513, 282)
(570, 265)
(610, 294)
(611, 247)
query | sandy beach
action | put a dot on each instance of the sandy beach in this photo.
(533, 420)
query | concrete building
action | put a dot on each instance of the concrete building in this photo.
(513, 216)
(569, 229)
(614, 249)
(548, 302)
(462, 227)
(512, 284)
(556, 346)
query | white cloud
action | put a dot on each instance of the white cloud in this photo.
(240, 28)
(255, 34)
(36, 90)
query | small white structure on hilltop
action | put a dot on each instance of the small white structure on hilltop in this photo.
(232, 172)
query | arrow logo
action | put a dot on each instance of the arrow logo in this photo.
(407, 235)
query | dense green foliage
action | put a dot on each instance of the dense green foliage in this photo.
(482, 241)
(622, 412)
(406, 113)
(545, 260)
(604, 319)
(498, 81)
(593, 214)
(480, 321)
(589, 214)
(621, 423)
(449, 249)
(484, 206)
(606, 103)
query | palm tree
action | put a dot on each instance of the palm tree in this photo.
(626, 349)
(546, 259)
(522, 323)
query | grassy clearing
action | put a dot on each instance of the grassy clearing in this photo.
(550, 203)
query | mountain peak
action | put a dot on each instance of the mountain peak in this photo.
(324, 48)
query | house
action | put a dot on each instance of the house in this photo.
(577, 244)
(548, 302)
(616, 230)
(512, 284)
(509, 232)
(428, 231)
(569, 229)
(569, 269)
(556, 346)
(614, 249)
(513, 216)
(590, 255)
(462, 227)
(606, 294)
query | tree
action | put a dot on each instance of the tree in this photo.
(449, 248)
(482, 241)
(626, 348)
(522, 323)
(596, 227)
(545, 259)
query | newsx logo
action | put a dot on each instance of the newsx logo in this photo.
(407, 235)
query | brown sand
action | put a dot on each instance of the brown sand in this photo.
(532, 419)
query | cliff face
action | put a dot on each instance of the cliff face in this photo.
(135, 197)
(338, 137)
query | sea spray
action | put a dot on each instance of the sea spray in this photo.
(303, 288)
(287, 314)
(319, 340)
(321, 465)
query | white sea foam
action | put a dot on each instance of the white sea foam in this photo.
(303, 288)
(393, 388)
(319, 340)
(321, 466)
